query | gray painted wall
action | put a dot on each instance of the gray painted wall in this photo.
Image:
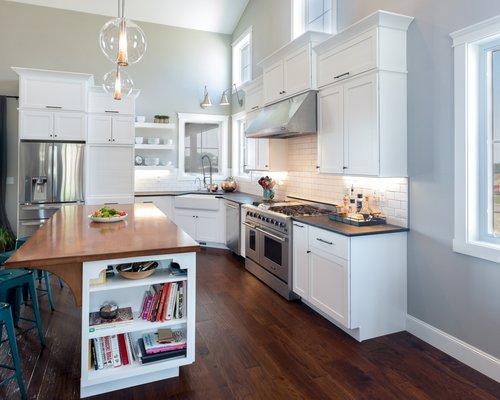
(455, 293)
(171, 76)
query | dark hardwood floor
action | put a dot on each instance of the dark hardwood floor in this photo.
(252, 344)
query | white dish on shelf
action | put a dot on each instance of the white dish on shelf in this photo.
(153, 140)
(151, 161)
(139, 140)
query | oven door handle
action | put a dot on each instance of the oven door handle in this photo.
(249, 225)
(281, 239)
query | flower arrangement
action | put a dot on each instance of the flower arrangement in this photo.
(267, 185)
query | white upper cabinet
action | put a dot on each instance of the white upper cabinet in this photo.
(266, 155)
(362, 115)
(53, 90)
(101, 102)
(254, 96)
(107, 129)
(123, 130)
(292, 69)
(99, 129)
(57, 125)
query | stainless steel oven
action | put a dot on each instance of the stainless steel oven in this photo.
(268, 251)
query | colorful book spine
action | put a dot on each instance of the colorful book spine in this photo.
(122, 345)
(115, 351)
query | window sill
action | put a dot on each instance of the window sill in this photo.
(485, 250)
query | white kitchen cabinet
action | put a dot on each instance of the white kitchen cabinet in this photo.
(110, 174)
(254, 95)
(208, 228)
(266, 155)
(101, 102)
(187, 222)
(52, 90)
(300, 260)
(70, 126)
(358, 283)
(362, 104)
(273, 82)
(331, 130)
(329, 285)
(36, 125)
(114, 129)
(361, 144)
(292, 69)
(52, 125)
(164, 203)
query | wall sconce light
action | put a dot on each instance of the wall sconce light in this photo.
(206, 100)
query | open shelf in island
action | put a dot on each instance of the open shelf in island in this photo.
(131, 293)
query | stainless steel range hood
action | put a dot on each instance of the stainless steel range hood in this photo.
(290, 117)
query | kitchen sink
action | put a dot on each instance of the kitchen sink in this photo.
(197, 202)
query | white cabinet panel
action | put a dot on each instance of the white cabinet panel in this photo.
(263, 154)
(254, 99)
(187, 222)
(273, 82)
(208, 228)
(70, 126)
(297, 71)
(37, 125)
(102, 102)
(331, 130)
(110, 172)
(62, 94)
(329, 285)
(251, 154)
(123, 130)
(99, 129)
(361, 143)
(164, 203)
(300, 260)
(351, 58)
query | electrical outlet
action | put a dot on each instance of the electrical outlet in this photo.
(9, 180)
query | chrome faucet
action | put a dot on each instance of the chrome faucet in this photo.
(211, 187)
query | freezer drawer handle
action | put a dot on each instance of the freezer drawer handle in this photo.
(324, 241)
(32, 223)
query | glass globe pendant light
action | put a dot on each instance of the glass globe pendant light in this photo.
(118, 83)
(121, 40)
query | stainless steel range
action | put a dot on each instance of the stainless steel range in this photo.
(268, 228)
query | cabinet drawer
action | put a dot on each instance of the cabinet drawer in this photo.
(329, 242)
(352, 58)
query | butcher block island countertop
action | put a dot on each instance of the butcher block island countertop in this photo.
(71, 237)
(78, 250)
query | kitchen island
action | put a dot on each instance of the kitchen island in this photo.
(78, 250)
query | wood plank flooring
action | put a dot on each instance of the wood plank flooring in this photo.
(252, 344)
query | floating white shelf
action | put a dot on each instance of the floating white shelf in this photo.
(155, 146)
(118, 282)
(153, 168)
(152, 125)
(136, 326)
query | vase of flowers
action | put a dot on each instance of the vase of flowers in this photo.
(267, 185)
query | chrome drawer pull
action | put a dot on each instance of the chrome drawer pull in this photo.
(341, 75)
(324, 241)
(298, 226)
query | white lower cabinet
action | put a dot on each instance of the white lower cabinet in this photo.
(164, 203)
(187, 222)
(202, 225)
(359, 283)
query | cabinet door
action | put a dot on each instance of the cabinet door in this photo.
(99, 129)
(331, 130)
(70, 126)
(110, 172)
(253, 99)
(66, 94)
(329, 285)
(123, 130)
(262, 154)
(187, 222)
(273, 82)
(361, 140)
(207, 228)
(297, 71)
(300, 260)
(251, 154)
(37, 125)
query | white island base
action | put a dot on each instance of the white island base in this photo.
(130, 293)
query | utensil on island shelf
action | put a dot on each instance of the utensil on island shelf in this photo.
(139, 270)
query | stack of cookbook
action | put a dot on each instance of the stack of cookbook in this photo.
(164, 344)
(164, 302)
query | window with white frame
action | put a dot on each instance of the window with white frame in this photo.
(313, 15)
(242, 58)
(477, 140)
(200, 135)
(239, 147)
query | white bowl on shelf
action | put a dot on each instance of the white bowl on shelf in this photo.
(139, 140)
(153, 140)
(151, 161)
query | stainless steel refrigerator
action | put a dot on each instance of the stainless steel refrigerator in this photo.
(50, 175)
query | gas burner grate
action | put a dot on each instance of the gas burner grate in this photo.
(299, 210)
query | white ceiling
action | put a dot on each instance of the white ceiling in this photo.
(207, 15)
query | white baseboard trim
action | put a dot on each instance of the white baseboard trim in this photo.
(456, 348)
